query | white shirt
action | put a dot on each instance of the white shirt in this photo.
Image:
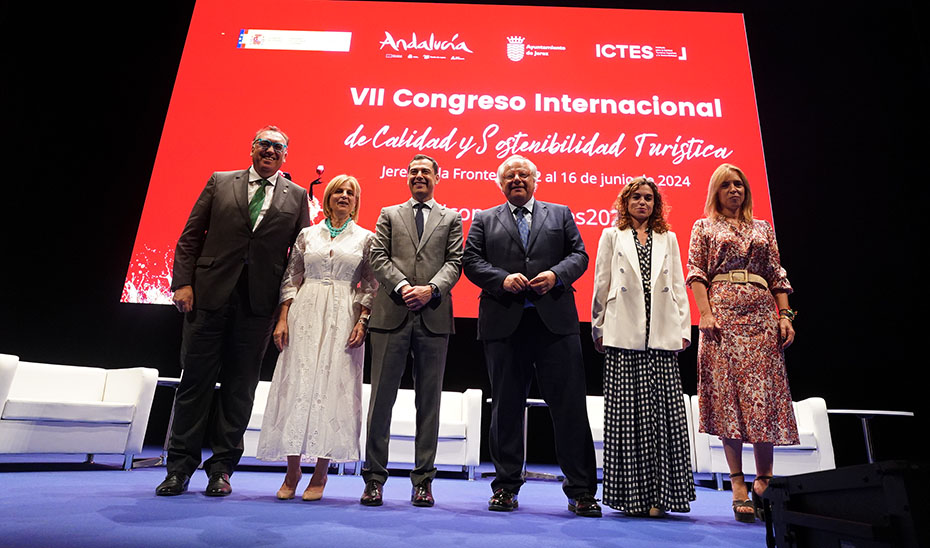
(430, 204)
(529, 211)
(254, 178)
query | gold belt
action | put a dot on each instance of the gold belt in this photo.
(741, 276)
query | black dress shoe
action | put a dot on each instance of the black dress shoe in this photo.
(174, 484)
(422, 494)
(218, 486)
(503, 501)
(585, 506)
(372, 495)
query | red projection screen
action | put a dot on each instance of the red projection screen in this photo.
(593, 96)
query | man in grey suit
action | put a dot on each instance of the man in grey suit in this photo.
(227, 272)
(524, 255)
(417, 258)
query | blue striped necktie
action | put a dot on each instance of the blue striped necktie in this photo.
(522, 226)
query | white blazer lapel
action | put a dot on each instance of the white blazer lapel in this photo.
(628, 248)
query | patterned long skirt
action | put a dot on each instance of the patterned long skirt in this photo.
(647, 457)
(742, 380)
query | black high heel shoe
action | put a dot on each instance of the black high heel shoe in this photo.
(757, 502)
(744, 517)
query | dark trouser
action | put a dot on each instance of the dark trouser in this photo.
(388, 361)
(559, 368)
(226, 346)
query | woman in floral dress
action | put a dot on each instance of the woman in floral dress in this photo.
(314, 403)
(741, 291)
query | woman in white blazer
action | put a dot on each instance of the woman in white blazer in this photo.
(640, 318)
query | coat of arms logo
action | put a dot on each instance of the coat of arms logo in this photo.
(515, 47)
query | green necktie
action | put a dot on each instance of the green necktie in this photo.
(255, 206)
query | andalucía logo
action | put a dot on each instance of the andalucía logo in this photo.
(430, 44)
(515, 47)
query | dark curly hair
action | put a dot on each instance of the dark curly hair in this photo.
(656, 221)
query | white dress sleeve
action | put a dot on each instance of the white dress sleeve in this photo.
(367, 284)
(294, 274)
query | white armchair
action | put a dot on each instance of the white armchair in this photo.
(254, 429)
(814, 453)
(595, 406)
(459, 428)
(46, 408)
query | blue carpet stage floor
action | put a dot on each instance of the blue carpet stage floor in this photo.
(55, 501)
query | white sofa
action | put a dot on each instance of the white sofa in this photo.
(814, 453)
(252, 431)
(596, 419)
(459, 427)
(47, 408)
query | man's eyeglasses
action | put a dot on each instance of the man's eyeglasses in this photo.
(509, 177)
(266, 144)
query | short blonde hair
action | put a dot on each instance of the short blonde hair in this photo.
(335, 183)
(712, 205)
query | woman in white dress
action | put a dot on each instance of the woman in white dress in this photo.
(314, 404)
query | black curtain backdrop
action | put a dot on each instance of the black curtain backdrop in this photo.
(842, 96)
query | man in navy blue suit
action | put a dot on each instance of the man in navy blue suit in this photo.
(524, 255)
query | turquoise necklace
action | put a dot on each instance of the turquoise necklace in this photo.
(333, 232)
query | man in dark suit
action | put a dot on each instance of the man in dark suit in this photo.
(227, 271)
(417, 258)
(525, 255)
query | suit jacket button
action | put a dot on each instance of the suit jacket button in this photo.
(622, 271)
(665, 290)
(622, 289)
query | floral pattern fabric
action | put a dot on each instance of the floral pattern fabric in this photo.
(742, 382)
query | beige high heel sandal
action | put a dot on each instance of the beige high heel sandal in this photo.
(287, 492)
(314, 492)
